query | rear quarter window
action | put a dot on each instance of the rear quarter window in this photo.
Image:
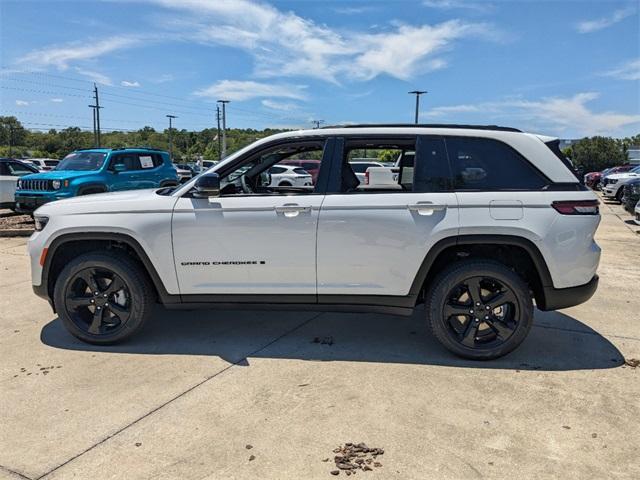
(300, 171)
(488, 164)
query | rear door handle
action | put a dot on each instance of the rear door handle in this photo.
(291, 209)
(426, 208)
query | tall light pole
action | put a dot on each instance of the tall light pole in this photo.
(170, 117)
(417, 93)
(224, 127)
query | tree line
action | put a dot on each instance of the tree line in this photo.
(591, 154)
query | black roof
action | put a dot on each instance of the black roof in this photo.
(428, 125)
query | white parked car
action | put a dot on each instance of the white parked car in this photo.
(289, 176)
(613, 185)
(360, 168)
(184, 174)
(10, 171)
(43, 164)
(477, 249)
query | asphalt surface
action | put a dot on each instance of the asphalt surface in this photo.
(270, 395)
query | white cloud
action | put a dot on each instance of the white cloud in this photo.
(557, 115)
(95, 76)
(408, 50)
(588, 26)
(463, 4)
(62, 56)
(280, 106)
(246, 90)
(57, 100)
(285, 44)
(628, 71)
(22, 103)
(126, 83)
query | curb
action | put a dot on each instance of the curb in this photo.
(16, 233)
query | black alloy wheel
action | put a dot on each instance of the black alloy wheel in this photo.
(481, 312)
(98, 301)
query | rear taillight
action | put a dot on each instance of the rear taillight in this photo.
(577, 207)
(366, 177)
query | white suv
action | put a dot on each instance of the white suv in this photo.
(486, 221)
(613, 185)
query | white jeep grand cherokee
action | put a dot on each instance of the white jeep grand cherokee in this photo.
(487, 220)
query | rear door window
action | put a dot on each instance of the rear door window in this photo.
(490, 165)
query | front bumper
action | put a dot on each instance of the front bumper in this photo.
(27, 203)
(609, 191)
(557, 298)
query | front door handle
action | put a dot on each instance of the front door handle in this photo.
(426, 208)
(292, 209)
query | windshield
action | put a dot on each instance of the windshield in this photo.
(82, 161)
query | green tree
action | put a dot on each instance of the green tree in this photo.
(12, 133)
(598, 153)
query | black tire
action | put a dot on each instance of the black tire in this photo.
(285, 184)
(619, 194)
(169, 183)
(455, 321)
(130, 306)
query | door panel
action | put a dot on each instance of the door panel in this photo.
(246, 244)
(374, 244)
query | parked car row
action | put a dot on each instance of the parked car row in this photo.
(620, 183)
(594, 179)
(85, 172)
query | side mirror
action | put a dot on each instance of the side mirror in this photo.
(119, 168)
(207, 185)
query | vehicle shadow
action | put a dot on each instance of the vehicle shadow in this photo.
(557, 342)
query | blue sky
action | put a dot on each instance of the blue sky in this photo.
(564, 68)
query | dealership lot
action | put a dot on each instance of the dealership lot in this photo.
(186, 397)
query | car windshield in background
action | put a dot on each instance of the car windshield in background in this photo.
(82, 161)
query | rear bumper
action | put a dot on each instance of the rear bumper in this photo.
(557, 298)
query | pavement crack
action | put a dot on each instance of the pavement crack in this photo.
(13, 472)
(178, 396)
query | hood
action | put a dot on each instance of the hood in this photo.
(621, 176)
(59, 174)
(112, 202)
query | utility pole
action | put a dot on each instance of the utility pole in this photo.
(224, 127)
(10, 139)
(317, 123)
(97, 108)
(95, 132)
(219, 136)
(417, 93)
(170, 117)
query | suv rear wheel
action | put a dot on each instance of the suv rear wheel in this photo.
(479, 309)
(103, 298)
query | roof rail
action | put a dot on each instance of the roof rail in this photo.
(121, 148)
(427, 125)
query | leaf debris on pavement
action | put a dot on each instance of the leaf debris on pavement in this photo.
(355, 456)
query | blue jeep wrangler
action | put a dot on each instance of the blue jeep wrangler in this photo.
(96, 170)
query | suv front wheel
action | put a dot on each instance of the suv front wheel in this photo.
(479, 309)
(103, 298)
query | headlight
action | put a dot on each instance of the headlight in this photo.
(611, 181)
(41, 222)
(56, 184)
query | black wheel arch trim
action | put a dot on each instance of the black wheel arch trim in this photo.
(45, 291)
(511, 240)
(89, 186)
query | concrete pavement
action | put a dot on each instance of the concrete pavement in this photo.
(184, 398)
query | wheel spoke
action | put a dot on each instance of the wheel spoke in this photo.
(502, 329)
(474, 289)
(455, 310)
(77, 302)
(89, 277)
(97, 321)
(118, 310)
(468, 337)
(116, 285)
(500, 298)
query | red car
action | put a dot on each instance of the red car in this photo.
(592, 179)
(311, 166)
